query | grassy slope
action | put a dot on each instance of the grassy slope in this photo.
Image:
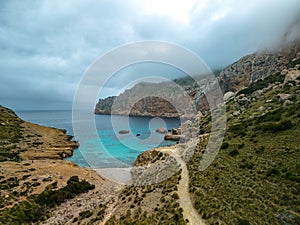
(255, 178)
(10, 134)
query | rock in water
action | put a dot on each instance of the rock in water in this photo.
(173, 137)
(161, 130)
(123, 131)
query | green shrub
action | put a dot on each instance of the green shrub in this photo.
(85, 214)
(270, 116)
(225, 145)
(292, 64)
(238, 129)
(37, 206)
(262, 83)
(175, 196)
(276, 127)
(243, 222)
(234, 153)
(273, 171)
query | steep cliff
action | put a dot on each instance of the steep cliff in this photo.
(257, 66)
(147, 99)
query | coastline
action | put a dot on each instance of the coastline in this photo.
(41, 151)
(137, 115)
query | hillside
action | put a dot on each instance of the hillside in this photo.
(255, 177)
(35, 181)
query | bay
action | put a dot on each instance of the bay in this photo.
(115, 149)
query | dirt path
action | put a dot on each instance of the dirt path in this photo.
(189, 212)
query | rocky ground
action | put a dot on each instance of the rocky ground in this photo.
(32, 160)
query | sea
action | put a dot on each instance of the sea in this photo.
(108, 149)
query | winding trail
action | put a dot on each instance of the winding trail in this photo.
(189, 212)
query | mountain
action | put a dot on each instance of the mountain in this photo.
(167, 100)
(257, 66)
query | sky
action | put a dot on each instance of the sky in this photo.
(47, 45)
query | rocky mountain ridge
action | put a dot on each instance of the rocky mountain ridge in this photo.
(169, 102)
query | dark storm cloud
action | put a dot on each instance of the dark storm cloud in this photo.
(46, 46)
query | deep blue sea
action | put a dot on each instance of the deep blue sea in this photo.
(115, 148)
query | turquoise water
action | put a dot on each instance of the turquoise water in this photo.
(115, 149)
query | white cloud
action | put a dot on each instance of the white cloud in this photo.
(177, 10)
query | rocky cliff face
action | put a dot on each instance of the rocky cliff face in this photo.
(166, 100)
(147, 99)
(257, 66)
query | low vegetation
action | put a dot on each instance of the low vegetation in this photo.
(10, 134)
(152, 204)
(255, 177)
(36, 207)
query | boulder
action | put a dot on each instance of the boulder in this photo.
(287, 103)
(291, 76)
(283, 97)
(228, 95)
(173, 137)
(161, 130)
(236, 113)
(123, 131)
(176, 131)
(243, 101)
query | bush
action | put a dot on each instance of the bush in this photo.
(225, 145)
(262, 83)
(234, 153)
(273, 171)
(36, 208)
(85, 214)
(175, 196)
(238, 129)
(243, 222)
(276, 127)
(270, 117)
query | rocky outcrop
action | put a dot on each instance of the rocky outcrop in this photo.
(147, 157)
(257, 66)
(161, 130)
(144, 99)
(165, 99)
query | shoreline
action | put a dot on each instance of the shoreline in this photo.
(41, 163)
(146, 116)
